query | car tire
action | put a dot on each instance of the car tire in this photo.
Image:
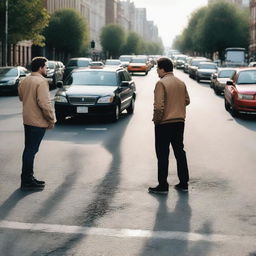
(226, 104)
(217, 92)
(130, 109)
(146, 73)
(198, 79)
(115, 116)
(233, 111)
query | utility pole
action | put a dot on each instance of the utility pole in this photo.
(6, 33)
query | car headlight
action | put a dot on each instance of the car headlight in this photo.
(106, 99)
(59, 98)
(245, 96)
(11, 82)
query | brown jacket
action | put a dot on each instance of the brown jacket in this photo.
(35, 96)
(170, 100)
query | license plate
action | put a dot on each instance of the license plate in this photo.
(82, 109)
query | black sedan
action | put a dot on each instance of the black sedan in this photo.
(10, 78)
(95, 92)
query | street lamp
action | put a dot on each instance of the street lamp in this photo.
(6, 32)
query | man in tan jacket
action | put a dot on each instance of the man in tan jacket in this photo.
(38, 115)
(170, 101)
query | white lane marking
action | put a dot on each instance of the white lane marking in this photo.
(96, 129)
(124, 233)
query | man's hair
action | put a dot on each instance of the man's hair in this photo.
(165, 64)
(38, 62)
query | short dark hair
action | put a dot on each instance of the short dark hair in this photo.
(165, 64)
(38, 62)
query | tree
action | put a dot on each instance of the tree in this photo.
(26, 21)
(132, 44)
(67, 31)
(112, 39)
(224, 26)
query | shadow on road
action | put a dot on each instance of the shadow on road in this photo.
(173, 220)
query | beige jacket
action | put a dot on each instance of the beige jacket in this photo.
(35, 96)
(170, 100)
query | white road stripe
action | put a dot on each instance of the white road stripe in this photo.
(124, 233)
(95, 129)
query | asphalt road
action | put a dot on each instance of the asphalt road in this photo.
(97, 173)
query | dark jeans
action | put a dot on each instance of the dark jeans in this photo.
(166, 134)
(33, 138)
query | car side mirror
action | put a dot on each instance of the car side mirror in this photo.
(229, 82)
(125, 84)
(59, 84)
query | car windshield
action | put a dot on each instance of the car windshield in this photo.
(8, 72)
(51, 64)
(207, 66)
(196, 62)
(92, 78)
(78, 63)
(247, 77)
(138, 61)
(181, 58)
(226, 73)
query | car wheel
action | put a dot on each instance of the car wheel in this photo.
(116, 114)
(197, 79)
(130, 109)
(227, 106)
(233, 111)
(217, 92)
(146, 73)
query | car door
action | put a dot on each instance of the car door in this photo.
(125, 90)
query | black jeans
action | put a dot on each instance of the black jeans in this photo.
(166, 134)
(33, 138)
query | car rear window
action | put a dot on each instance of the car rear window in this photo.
(92, 78)
(207, 66)
(226, 73)
(78, 63)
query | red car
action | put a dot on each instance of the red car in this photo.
(240, 92)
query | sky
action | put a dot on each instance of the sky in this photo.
(170, 16)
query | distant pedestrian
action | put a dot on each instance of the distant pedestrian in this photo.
(38, 115)
(170, 101)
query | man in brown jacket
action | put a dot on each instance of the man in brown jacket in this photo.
(38, 115)
(170, 101)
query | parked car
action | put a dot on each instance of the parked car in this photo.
(139, 64)
(220, 78)
(240, 92)
(252, 64)
(95, 92)
(10, 78)
(187, 63)
(125, 59)
(113, 62)
(76, 63)
(205, 70)
(193, 65)
(55, 72)
(180, 61)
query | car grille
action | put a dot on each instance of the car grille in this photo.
(88, 100)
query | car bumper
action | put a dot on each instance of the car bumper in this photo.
(95, 110)
(246, 106)
(8, 88)
(204, 76)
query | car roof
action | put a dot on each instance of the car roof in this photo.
(108, 68)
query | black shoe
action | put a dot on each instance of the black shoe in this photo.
(32, 185)
(41, 182)
(158, 190)
(181, 187)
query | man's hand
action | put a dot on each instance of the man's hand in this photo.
(51, 126)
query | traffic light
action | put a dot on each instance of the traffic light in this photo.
(92, 44)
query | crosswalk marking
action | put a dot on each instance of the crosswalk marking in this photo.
(124, 233)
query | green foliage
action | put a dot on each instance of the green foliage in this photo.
(131, 45)
(112, 39)
(67, 31)
(26, 21)
(214, 28)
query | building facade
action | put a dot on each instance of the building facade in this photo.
(241, 3)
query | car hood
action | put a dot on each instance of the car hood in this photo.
(5, 79)
(137, 64)
(78, 90)
(206, 70)
(223, 80)
(247, 88)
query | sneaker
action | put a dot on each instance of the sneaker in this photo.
(181, 187)
(158, 190)
(41, 182)
(31, 186)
